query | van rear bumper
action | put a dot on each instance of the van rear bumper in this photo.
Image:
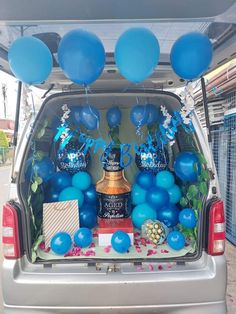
(196, 287)
(204, 308)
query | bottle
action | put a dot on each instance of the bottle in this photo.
(113, 190)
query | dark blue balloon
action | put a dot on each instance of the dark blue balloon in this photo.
(51, 195)
(83, 237)
(157, 197)
(30, 60)
(141, 213)
(187, 218)
(90, 117)
(176, 240)
(187, 167)
(29, 169)
(60, 180)
(114, 116)
(153, 114)
(81, 56)
(88, 216)
(61, 243)
(120, 241)
(137, 53)
(191, 55)
(139, 115)
(145, 179)
(169, 215)
(44, 168)
(90, 195)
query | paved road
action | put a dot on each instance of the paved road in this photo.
(4, 191)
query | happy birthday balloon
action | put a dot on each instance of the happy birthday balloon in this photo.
(187, 167)
(114, 116)
(72, 158)
(137, 54)
(30, 60)
(90, 117)
(191, 55)
(81, 56)
(138, 115)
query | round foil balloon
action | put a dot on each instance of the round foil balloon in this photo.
(153, 160)
(72, 158)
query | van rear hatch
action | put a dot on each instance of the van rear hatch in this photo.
(34, 189)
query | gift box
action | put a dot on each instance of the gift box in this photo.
(106, 228)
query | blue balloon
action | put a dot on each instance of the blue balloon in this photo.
(88, 216)
(71, 193)
(176, 240)
(187, 218)
(187, 167)
(61, 243)
(165, 179)
(141, 213)
(120, 242)
(138, 195)
(83, 237)
(169, 215)
(90, 117)
(51, 195)
(90, 195)
(174, 194)
(139, 115)
(157, 197)
(145, 179)
(76, 114)
(153, 114)
(30, 60)
(114, 116)
(81, 180)
(44, 168)
(191, 55)
(60, 180)
(28, 170)
(137, 54)
(81, 56)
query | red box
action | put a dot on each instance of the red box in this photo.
(108, 226)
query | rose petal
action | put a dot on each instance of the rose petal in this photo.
(42, 246)
(150, 267)
(139, 268)
(160, 267)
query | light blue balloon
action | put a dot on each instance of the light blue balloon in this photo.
(176, 240)
(83, 237)
(191, 55)
(120, 242)
(71, 193)
(141, 213)
(137, 54)
(30, 60)
(61, 243)
(81, 180)
(174, 194)
(138, 195)
(81, 56)
(165, 179)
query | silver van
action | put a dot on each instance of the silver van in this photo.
(35, 282)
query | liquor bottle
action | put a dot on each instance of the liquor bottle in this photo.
(113, 190)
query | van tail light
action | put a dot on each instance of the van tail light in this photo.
(216, 234)
(10, 232)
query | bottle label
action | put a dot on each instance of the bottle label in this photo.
(114, 205)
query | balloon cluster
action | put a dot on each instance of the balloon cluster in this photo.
(155, 197)
(64, 187)
(81, 56)
(61, 242)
